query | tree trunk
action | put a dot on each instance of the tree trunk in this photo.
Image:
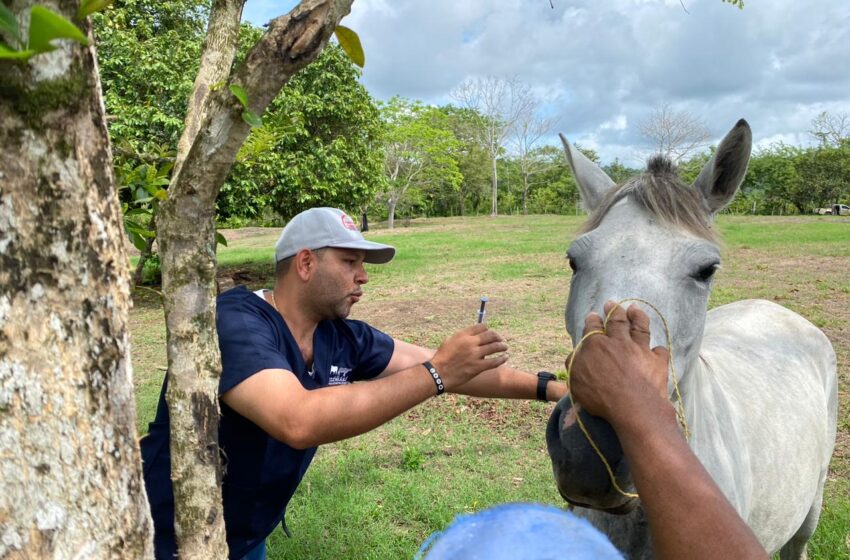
(494, 208)
(186, 238)
(391, 214)
(70, 475)
(525, 194)
(220, 45)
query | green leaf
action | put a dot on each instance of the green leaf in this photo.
(161, 194)
(88, 7)
(350, 43)
(252, 119)
(9, 24)
(220, 239)
(45, 26)
(135, 211)
(137, 240)
(165, 169)
(240, 94)
(11, 54)
(140, 193)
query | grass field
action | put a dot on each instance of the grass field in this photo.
(380, 495)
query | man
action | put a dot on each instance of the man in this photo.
(289, 357)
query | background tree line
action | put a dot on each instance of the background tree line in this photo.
(325, 141)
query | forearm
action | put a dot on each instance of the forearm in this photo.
(343, 411)
(685, 508)
(509, 383)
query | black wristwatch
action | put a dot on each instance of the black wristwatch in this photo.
(543, 379)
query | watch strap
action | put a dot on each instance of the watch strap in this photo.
(543, 379)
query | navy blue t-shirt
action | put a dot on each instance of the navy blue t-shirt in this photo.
(260, 472)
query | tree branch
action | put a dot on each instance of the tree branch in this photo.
(187, 243)
(220, 46)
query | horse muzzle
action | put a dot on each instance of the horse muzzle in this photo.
(580, 474)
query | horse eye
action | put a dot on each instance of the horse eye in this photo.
(705, 273)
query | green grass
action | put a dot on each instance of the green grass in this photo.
(381, 494)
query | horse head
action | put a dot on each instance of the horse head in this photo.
(650, 239)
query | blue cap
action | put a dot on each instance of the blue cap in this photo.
(519, 532)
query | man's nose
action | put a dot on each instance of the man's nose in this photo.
(361, 277)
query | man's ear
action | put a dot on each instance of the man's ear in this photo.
(592, 182)
(725, 171)
(305, 262)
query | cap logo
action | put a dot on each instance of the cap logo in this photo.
(347, 223)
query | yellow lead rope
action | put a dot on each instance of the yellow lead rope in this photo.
(680, 406)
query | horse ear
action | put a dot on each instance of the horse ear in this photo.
(592, 182)
(723, 174)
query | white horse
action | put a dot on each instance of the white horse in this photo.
(758, 381)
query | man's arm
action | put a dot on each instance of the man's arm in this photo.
(503, 382)
(617, 376)
(276, 401)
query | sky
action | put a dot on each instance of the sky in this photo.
(600, 67)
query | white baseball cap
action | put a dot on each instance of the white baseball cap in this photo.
(318, 228)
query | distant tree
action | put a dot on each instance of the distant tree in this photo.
(419, 152)
(675, 134)
(618, 172)
(824, 177)
(472, 157)
(689, 168)
(501, 102)
(831, 129)
(529, 131)
(318, 146)
(555, 190)
(772, 180)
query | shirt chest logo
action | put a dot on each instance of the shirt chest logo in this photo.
(338, 375)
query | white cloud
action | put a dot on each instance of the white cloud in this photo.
(601, 67)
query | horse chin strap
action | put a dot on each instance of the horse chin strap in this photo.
(679, 405)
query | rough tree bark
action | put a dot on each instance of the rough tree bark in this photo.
(220, 45)
(186, 238)
(70, 475)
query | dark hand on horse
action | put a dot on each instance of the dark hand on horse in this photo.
(615, 374)
(465, 354)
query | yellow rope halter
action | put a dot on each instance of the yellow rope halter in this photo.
(680, 406)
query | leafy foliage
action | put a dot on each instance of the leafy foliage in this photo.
(420, 155)
(88, 7)
(45, 26)
(473, 163)
(149, 52)
(787, 179)
(319, 145)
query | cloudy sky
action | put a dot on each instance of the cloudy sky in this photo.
(601, 66)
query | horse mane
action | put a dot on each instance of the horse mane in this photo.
(661, 192)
